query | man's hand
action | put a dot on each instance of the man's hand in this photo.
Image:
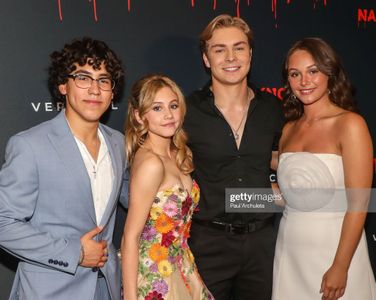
(94, 254)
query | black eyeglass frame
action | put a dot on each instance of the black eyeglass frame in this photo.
(74, 76)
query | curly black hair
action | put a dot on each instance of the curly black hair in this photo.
(328, 62)
(83, 51)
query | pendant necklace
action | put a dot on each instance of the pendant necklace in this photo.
(97, 142)
(95, 165)
(91, 159)
(236, 131)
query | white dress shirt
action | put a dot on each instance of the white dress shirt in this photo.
(101, 175)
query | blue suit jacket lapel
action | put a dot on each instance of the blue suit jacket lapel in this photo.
(114, 150)
(65, 145)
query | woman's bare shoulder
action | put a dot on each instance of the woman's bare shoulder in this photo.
(288, 127)
(349, 122)
(147, 162)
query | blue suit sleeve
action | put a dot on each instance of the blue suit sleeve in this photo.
(18, 199)
(124, 194)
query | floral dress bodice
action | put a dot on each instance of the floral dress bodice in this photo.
(164, 256)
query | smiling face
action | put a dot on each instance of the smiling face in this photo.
(86, 105)
(307, 82)
(228, 56)
(164, 116)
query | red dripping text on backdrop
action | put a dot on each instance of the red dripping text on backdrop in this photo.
(276, 91)
(237, 5)
(94, 2)
(366, 16)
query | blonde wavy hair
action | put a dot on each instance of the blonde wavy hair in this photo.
(142, 96)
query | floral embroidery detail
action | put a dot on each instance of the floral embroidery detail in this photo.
(190, 256)
(173, 198)
(187, 204)
(154, 268)
(167, 239)
(170, 208)
(155, 212)
(165, 268)
(158, 252)
(163, 247)
(160, 286)
(148, 233)
(154, 296)
(168, 192)
(195, 193)
(164, 223)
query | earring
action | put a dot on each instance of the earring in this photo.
(329, 92)
(293, 96)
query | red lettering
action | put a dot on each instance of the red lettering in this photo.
(362, 15)
(366, 15)
(279, 94)
(275, 91)
(274, 8)
(94, 9)
(371, 16)
(60, 10)
(237, 4)
(266, 89)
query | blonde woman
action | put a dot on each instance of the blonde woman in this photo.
(157, 262)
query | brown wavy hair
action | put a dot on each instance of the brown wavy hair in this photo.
(329, 63)
(224, 21)
(142, 96)
(83, 51)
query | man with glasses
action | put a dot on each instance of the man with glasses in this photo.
(60, 184)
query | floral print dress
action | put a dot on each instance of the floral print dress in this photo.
(167, 270)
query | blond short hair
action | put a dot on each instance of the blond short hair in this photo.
(224, 21)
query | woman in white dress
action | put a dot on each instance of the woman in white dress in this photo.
(325, 148)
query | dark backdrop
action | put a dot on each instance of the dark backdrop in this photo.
(161, 36)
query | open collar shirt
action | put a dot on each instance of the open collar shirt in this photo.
(219, 164)
(101, 175)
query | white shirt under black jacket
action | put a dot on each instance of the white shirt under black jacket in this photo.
(101, 174)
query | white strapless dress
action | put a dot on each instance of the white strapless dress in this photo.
(310, 230)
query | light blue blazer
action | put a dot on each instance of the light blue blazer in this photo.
(46, 205)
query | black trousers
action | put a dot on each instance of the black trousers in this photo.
(235, 266)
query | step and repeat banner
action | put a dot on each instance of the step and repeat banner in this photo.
(162, 36)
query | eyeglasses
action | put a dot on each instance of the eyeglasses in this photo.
(84, 81)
